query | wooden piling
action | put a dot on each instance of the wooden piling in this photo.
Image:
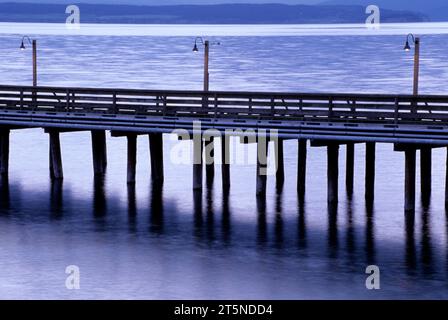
(225, 162)
(56, 171)
(197, 163)
(370, 171)
(301, 168)
(425, 172)
(409, 181)
(4, 152)
(280, 163)
(99, 151)
(156, 154)
(350, 168)
(332, 173)
(132, 157)
(210, 159)
(262, 157)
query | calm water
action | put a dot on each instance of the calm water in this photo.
(161, 244)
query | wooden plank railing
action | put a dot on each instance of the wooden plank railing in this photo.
(368, 108)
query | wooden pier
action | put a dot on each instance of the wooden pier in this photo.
(410, 123)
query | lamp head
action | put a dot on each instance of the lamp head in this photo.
(407, 47)
(22, 46)
(195, 48)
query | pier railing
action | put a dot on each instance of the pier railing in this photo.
(370, 108)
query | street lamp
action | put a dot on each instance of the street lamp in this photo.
(407, 48)
(206, 45)
(34, 45)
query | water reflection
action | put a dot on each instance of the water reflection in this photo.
(426, 247)
(197, 212)
(262, 232)
(370, 234)
(278, 224)
(210, 215)
(99, 208)
(132, 208)
(226, 218)
(157, 209)
(333, 240)
(350, 233)
(410, 248)
(4, 194)
(301, 226)
(276, 231)
(56, 199)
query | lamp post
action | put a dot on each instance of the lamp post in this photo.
(206, 45)
(209, 145)
(34, 45)
(407, 48)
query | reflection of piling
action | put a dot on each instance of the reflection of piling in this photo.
(4, 193)
(262, 225)
(410, 254)
(370, 234)
(56, 198)
(99, 197)
(226, 215)
(157, 209)
(333, 238)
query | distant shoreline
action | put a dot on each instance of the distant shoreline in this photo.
(202, 14)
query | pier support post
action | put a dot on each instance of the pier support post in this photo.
(209, 159)
(332, 173)
(301, 168)
(280, 163)
(56, 171)
(156, 154)
(197, 163)
(370, 171)
(4, 152)
(409, 180)
(225, 161)
(425, 172)
(350, 167)
(262, 161)
(132, 157)
(99, 151)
